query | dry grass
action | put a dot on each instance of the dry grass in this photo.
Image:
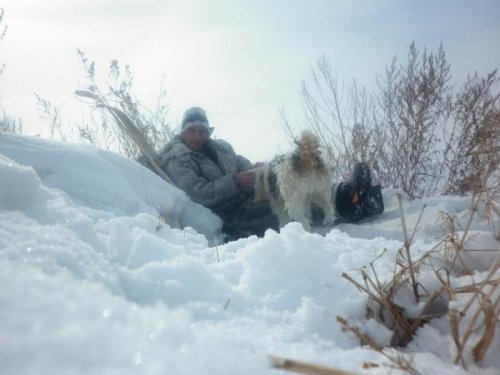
(473, 310)
(479, 315)
(300, 367)
(383, 306)
(396, 359)
(417, 130)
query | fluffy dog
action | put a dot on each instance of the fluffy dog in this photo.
(294, 181)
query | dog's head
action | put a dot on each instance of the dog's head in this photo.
(307, 156)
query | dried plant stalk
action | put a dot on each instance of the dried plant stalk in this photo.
(485, 308)
(292, 365)
(489, 331)
(407, 248)
(398, 361)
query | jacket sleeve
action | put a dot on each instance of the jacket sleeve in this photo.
(242, 163)
(183, 172)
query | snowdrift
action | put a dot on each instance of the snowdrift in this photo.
(106, 269)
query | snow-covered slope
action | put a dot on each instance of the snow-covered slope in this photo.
(92, 280)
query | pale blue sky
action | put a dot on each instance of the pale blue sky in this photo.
(241, 60)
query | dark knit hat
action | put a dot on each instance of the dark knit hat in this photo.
(195, 116)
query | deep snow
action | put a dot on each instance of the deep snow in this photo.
(94, 280)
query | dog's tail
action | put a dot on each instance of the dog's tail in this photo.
(307, 156)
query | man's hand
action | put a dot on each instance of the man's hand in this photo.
(245, 179)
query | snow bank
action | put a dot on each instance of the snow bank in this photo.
(93, 281)
(104, 181)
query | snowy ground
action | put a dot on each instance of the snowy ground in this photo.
(92, 281)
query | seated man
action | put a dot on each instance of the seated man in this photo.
(212, 174)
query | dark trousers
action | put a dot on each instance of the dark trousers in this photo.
(248, 218)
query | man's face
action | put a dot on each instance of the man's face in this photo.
(195, 137)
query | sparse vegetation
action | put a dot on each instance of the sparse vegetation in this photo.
(472, 309)
(420, 137)
(7, 123)
(3, 31)
(100, 127)
(153, 124)
(413, 132)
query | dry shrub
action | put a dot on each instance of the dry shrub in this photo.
(415, 102)
(476, 316)
(417, 131)
(102, 127)
(152, 124)
(3, 31)
(472, 310)
(9, 124)
(474, 140)
(396, 360)
(52, 115)
(383, 296)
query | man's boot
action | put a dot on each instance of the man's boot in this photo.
(357, 198)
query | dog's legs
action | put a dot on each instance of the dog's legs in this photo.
(326, 203)
(278, 208)
(301, 212)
